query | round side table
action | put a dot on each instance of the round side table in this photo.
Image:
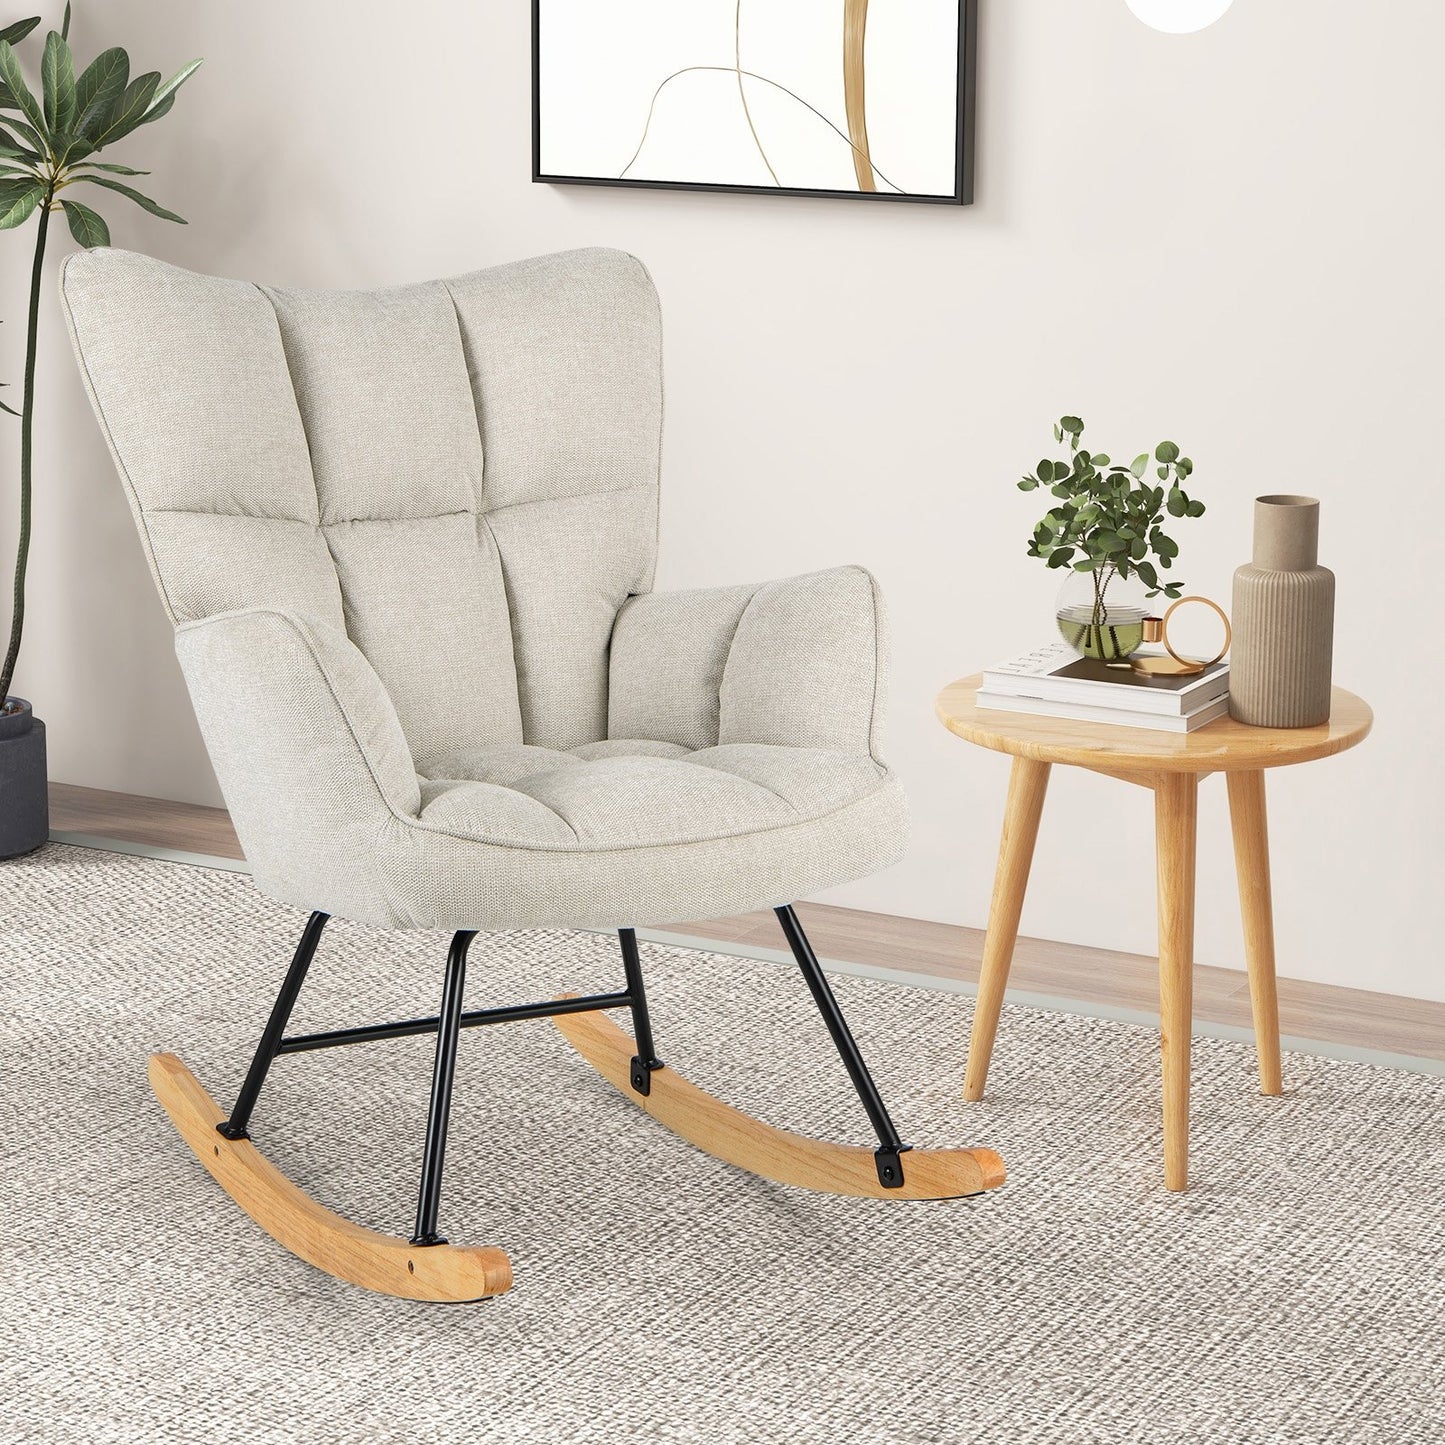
(1172, 764)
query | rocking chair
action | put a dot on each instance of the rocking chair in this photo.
(420, 524)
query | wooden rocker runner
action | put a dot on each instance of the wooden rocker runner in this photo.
(407, 540)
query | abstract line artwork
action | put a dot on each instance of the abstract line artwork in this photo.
(767, 97)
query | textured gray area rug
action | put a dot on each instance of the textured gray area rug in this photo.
(1293, 1295)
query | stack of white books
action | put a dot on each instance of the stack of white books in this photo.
(1054, 681)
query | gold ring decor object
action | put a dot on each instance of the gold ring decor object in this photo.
(1175, 665)
(1223, 617)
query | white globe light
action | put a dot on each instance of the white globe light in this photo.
(1179, 17)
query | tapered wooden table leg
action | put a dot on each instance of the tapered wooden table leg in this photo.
(1176, 798)
(1028, 783)
(1251, 861)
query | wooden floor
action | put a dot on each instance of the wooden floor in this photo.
(911, 945)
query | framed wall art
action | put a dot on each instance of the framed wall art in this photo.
(767, 97)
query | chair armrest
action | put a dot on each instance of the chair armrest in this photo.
(304, 740)
(796, 663)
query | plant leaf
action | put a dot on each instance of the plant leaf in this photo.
(128, 111)
(65, 24)
(1166, 452)
(100, 85)
(31, 141)
(1138, 465)
(85, 225)
(17, 200)
(169, 89)
(114, 170)
(13, 34)
(144, 202)
(14, 78)
(1071, 424)
(57, 81)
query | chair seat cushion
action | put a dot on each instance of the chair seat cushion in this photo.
(634, 793)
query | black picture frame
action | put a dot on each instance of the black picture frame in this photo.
(967, 89)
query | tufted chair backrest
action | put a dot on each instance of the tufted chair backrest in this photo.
(462, 474)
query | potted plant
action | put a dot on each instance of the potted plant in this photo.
(48, 144)
(1108, 530)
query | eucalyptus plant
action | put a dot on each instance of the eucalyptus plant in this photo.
(48, 145)
(1109, 522)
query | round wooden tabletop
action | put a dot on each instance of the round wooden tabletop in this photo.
(1220, 746)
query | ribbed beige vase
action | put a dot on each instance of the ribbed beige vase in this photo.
(1284, 620)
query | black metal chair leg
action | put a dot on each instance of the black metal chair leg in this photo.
(891, 1147)
(645, 1060)
(235, 1127)
(449, 1027)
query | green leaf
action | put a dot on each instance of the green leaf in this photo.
(113, 169)
(1196, 509)
(85, 225)
(128, 111)
(101, 84)
(65, 24)
(144, 202)
(17, 200)
(13, 34)
(1138, 464)
(30, 138)
(1058, 432)
(1045, 470)
(14, 78)
(1028, 485)
(1147, 572)
(1101, 459)
(57, 77)
(1163, 474)
(1071, 424)
(157, 111)
(164, 94)
(1178, 503)
(1059, 557)
(9, 146)
(1138, 548)
(1087, 565)
(9, 409)
(1166, 452)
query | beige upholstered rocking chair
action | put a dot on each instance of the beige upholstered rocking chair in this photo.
(418, 526)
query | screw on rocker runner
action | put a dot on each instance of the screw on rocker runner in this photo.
(425, 1266)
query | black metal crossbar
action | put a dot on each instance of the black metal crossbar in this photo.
(511, 1013)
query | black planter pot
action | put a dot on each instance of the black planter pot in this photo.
(24, 801)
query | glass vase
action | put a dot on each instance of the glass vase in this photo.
(1107, 624)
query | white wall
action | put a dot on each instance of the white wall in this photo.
(1232, 239)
